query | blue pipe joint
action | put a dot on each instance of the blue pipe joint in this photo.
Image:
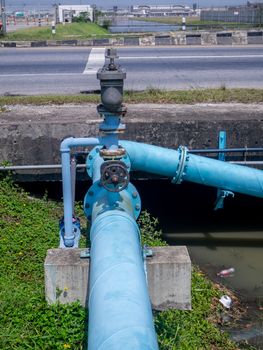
(98, 200)
(182, 165)
(71, 241)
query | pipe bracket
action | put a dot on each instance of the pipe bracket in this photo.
(182, 165)
(221, 195)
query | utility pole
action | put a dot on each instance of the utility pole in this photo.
(3, 16)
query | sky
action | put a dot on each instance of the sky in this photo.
(120, 3)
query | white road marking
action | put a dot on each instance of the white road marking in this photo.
(39, 74)
(96, 60)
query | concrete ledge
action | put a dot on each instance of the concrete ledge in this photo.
(169, 277)
(237, 37)
(40, 129)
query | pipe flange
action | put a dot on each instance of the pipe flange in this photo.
(96, 190)
(112, 154)
(182, 165)
(95, 152)
(103, 111)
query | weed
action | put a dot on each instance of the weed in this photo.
(151, 95)
(151, 235)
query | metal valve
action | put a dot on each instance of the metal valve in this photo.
(111, 78)
(114, 175)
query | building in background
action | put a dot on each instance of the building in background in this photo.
(67, 12)
(250, 13)
(161, 10)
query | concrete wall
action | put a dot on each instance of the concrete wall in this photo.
(38, 130)
(237, 37)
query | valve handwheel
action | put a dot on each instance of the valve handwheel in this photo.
(114, 176)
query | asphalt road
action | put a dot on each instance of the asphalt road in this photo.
(71, 70)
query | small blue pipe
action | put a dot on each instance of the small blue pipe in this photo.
(65, 147)
(201, 170)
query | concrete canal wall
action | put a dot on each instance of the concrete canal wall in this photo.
(32, 134)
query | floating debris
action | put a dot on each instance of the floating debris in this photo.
(226, 273)
(226, 301)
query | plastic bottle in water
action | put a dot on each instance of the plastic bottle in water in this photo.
(226, 273)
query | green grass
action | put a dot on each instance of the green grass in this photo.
(193, 329)
(63, 32)
(148, 96)
(28, 228)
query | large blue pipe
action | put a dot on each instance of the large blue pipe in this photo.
(201, 170)
(120, 315)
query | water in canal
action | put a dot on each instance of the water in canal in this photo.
(125, 25)
(216, 240)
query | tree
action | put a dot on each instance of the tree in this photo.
(82, 17)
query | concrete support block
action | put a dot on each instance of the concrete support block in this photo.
(179, 39)
(116, 41)
(8, 44)
(239, 38)
(169, 277)
(23, 44)
(193, 39)
(163, 40)
(224, 38)
(52, 43)
(208, 38)
(66, 276)
(88, 42)
(254, 37)
(147, 41)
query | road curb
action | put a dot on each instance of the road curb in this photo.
(240, 37)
